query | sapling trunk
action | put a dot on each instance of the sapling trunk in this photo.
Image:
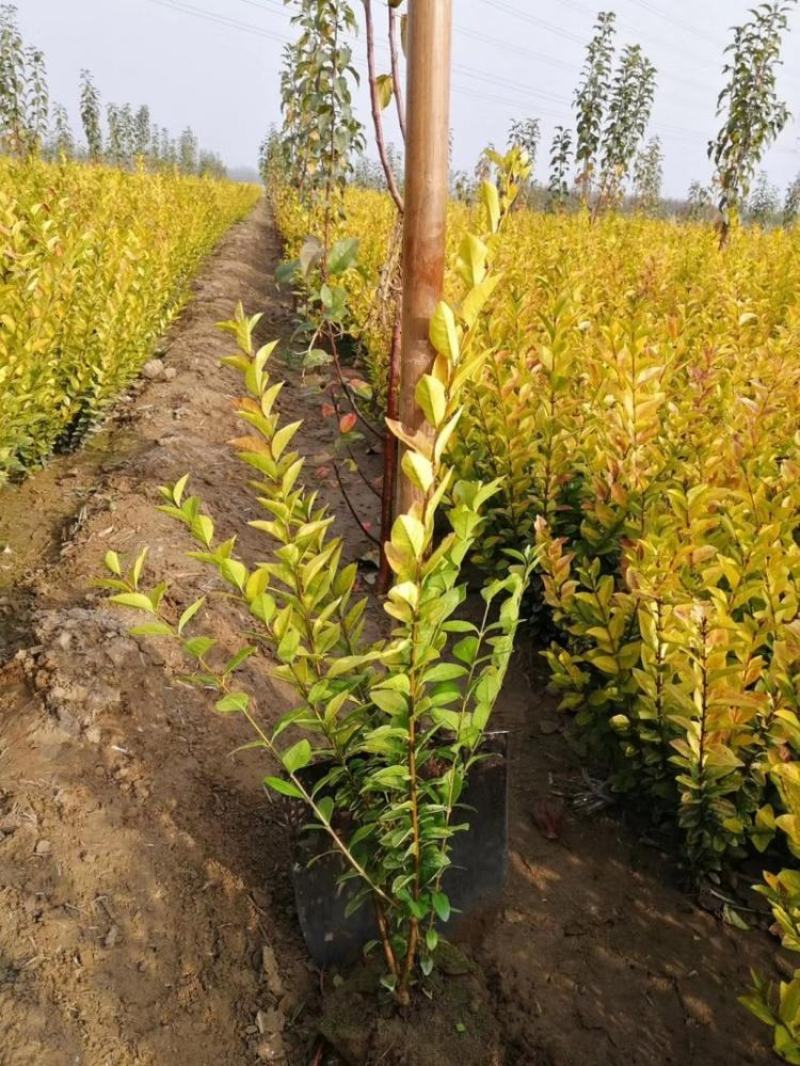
(377, 120)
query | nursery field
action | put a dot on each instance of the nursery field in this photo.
(400, 557)
(147, 908)
(96, 263)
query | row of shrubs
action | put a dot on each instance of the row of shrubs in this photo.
(94, 263)
(640, 404)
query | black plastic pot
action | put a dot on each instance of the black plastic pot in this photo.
(476, 878)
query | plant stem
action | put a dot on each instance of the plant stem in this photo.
(396, 79)
(377, 120)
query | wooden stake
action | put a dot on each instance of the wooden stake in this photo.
(425, 196)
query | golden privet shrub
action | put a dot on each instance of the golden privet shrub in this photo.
(640, 404)
(94, 263)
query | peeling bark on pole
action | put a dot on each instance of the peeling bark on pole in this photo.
(425, 195)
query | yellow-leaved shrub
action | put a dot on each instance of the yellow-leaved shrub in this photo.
(639, 401)
(95, 263)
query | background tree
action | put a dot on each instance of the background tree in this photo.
(629, 110)
(115, 146)
(320, 131)
(62, 142)
(187, 151)
(525, 133)
(168, 150)
(560, 161)
(648, 174)
(699, 201)
(590, 100)
(90, 116)
(791, 202)
(764, 206)
(37, 104)
(141, 124)
(23, 89)
(752, 113)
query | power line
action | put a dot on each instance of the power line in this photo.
(224, 20)
(669, 131)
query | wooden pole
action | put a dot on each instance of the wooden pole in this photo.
(425, 197)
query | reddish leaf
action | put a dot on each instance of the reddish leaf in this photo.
(347, 422)
(327, 410)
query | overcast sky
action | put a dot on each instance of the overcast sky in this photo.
(214, 65)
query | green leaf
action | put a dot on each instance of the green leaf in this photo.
(189, 613)
(432, 398)
(297, 757)
(342, 255)
(179, 488)
(391, 702)
(263, 607)
(287, 649)
(286, 788)
(198, 646)
(441, 904)
(112, 563)
(236, 660)
(138, 600)
(384, 83)
(444, 333)
(282, 438)
(234, 572)
(466, 650)
(491, 202)
(444, 672)
(233, 703)
(153, 629)
(325, 809)
(203, 529)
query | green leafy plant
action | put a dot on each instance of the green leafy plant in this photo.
(629, 108)
(90, 117)
(396, 723)
(753, 115)
(648, 174)
(560, 160)
(320, 131)
(590, 100)
(23, 90)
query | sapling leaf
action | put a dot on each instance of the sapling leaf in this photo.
(441, 904)
(179, 488)
(189, 613)
(112, 563)
(233, 703)
(153, 629)
(285, 788)
(297, 757)
(240, 657)
(198, 647)
(138, 566)
(137, 600)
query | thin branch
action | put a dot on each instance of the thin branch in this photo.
(377, 120)
(346, 389)
(367, 532)
(396, 81)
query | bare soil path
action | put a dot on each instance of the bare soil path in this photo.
(146, 914)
